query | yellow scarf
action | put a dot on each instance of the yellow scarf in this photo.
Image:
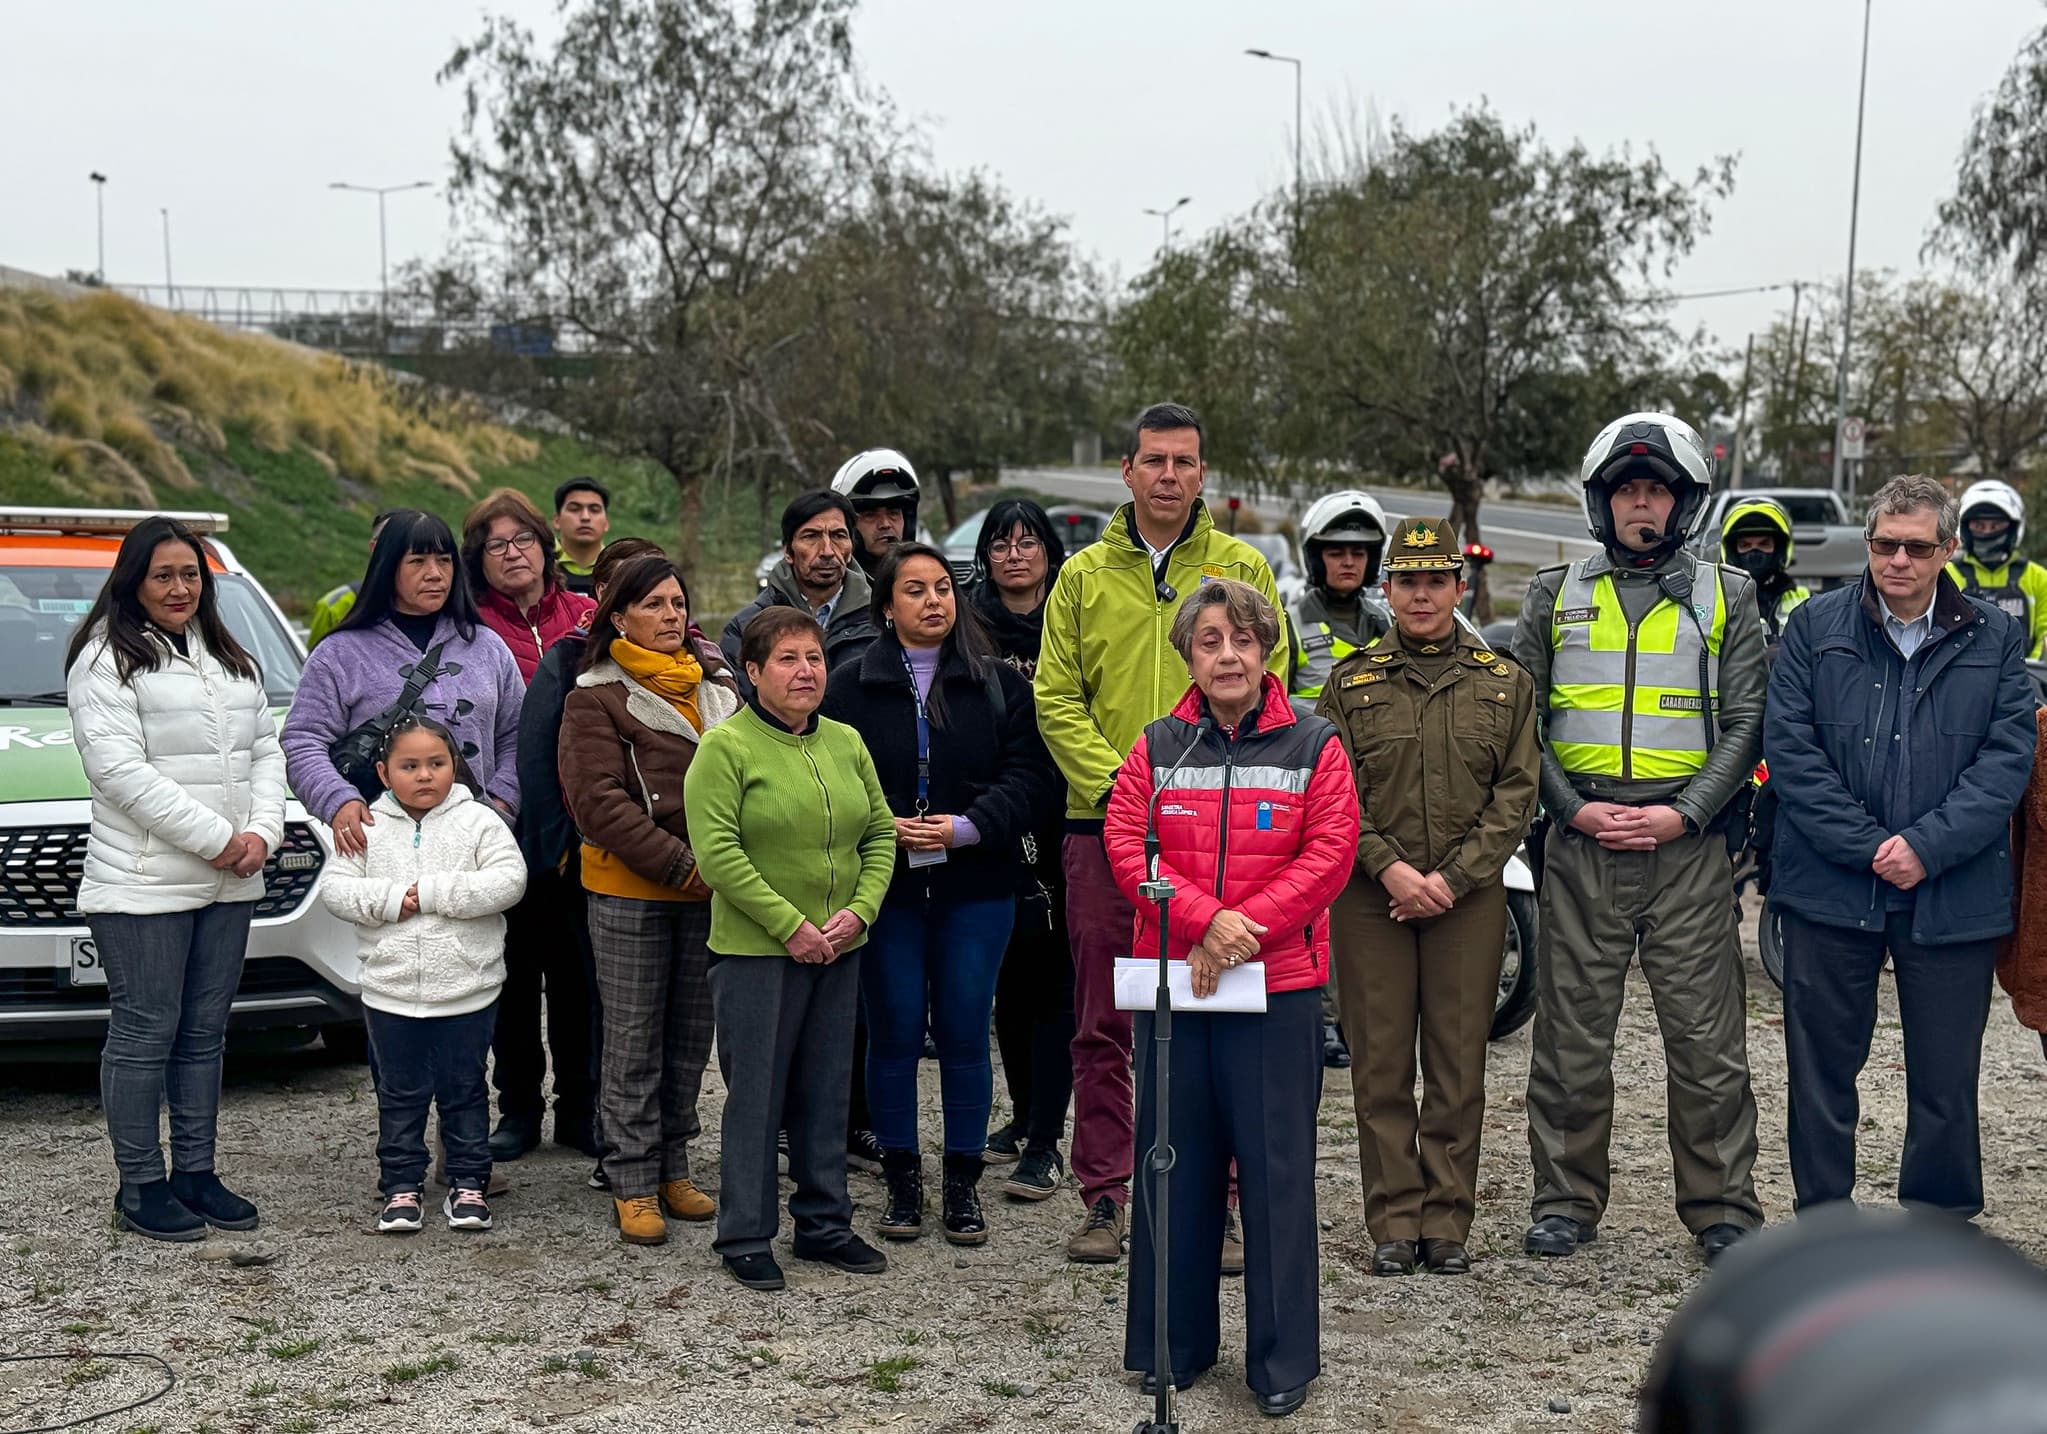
(672, 676)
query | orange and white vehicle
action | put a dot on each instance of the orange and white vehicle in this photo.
(301, 968)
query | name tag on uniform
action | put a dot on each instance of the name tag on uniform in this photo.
(1363, 677)
(1679, 702)
(1572, 616)
(1316, 641)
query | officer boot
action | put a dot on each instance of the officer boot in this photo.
(903, 1172)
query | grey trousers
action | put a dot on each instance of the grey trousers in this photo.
(650, 958)
(785, 1047)
(171, 980)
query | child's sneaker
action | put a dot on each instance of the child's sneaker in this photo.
(466, 1209)
(401, 1215)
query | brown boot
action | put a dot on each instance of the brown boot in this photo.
(683, 1201)
(1099, 1240)
(639, 1220)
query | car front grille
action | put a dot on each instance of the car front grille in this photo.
(40, 868)
(49, 985)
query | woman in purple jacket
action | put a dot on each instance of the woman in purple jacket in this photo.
(415, 604)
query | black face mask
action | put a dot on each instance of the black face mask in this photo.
(1992, 552)
(1757, 564)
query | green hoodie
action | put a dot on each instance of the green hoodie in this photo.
(786, 829)
(1106, 668)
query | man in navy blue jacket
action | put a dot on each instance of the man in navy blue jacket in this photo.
(1899, 734)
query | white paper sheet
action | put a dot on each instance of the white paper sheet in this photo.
(1239, 988)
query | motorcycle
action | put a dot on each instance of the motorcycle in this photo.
(1514, 1002)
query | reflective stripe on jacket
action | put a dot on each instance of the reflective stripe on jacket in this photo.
(1624, 700)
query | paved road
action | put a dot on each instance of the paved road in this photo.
(1527, 533)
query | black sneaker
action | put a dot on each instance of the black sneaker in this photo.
(204, 1195)
(863, 1151)
(598, 1179)
(1037, 1175)
(403, 1214)
(1005, 1145)
(757, 1271)
(466, 1209)
(152, 1211)
(515, 1136)
(851, 1254)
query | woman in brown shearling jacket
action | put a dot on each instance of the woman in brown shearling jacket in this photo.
(2022, 961)
(629, 730)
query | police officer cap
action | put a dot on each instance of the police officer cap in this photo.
(1423, 545)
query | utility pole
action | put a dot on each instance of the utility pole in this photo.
(1741, 415)
(383, 247)
(1848, 307)
(99, 189)
(1290, 60)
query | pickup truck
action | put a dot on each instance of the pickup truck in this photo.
(1826, 542)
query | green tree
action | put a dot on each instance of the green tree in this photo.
(655, 174)
(1998, 212)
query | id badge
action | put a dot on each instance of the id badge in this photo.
(927, 858)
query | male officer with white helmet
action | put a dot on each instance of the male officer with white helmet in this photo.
(1649, 669)
(882, 487)
(1343, 537)
(1989, 567)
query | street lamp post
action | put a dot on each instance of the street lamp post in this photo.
(170, 289)
(383, 244)
(1165, 218)
(1848, 306)
(99, 190)
(1290, 60)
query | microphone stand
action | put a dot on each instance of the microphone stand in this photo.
(1160, 891)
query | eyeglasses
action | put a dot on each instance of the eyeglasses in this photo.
(1022, 547)
(1919, 551)
(522, 540)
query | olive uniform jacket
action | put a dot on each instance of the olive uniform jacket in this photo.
(1447, 774)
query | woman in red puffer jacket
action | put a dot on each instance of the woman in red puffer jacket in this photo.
(1258, 830)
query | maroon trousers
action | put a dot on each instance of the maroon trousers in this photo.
(1100, 923)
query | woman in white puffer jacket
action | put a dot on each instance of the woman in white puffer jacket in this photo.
(427, 896)
(170, 719)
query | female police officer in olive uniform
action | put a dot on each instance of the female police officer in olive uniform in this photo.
(1442, 735)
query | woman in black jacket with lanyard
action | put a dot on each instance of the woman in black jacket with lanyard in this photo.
(1018, 556)
(954, 738)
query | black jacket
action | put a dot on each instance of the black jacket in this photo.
(1018, 638)
(996, 773)
(846, 637)
(1863, 745)
(547, 833)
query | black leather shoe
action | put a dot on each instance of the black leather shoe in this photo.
(1181, 1383)
(1278, 1406)
(851, 1254)
(1558, 1235)
(1446, 1257)
(1717, 1240)
(515, 1136)
(1395, 1257)
(152, 1211)
(1335, 1051)
(757, 1271)
(204, 1195)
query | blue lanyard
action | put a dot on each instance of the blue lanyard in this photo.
(923, 740)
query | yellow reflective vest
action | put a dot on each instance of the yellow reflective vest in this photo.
(1625, 700)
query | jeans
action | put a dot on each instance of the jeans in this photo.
(431, 1060)
(944, 957)
(170, 981)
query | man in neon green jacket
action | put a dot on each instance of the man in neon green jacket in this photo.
(336, 605)
(1105, 670)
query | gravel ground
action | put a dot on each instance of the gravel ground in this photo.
(550, 1322)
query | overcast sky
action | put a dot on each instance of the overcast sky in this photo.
(235, 115)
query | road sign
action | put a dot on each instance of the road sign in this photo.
(1853, 432)
(1719, 451)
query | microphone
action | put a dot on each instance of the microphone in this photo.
(1648, 534)
(1151, 823)
(1165, 591)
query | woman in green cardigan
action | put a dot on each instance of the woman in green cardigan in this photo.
(792, 834)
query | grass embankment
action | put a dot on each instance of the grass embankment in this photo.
(109, 403)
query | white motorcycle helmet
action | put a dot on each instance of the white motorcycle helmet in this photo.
(1992, 499)
(878, 475)
(1646, 445)
(1346, 517)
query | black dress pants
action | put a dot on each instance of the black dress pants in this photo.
(547, 944)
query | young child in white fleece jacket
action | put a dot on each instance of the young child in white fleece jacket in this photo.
(426, 898)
